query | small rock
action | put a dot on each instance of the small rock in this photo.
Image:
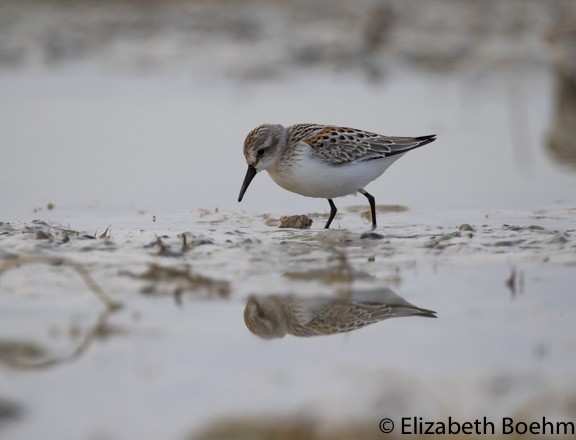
(41, 235)
(371, 236)
(295, 221)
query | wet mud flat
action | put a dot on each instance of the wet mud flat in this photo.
(225, 325)
(148, 316)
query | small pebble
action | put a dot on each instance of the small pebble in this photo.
(295, 221)
(41, 235)
(371, 236)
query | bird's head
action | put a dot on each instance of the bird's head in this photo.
(260, 150)
(264, 317)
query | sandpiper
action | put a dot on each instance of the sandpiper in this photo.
(274, 316)
(323, 161)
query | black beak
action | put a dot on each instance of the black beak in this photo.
(249, 176)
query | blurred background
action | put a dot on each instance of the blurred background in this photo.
(112, 108)
(144, 105)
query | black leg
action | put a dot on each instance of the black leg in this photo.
(372, 206)
(332, 213)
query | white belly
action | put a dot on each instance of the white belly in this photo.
(313, 178)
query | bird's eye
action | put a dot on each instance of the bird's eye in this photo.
(260, 153)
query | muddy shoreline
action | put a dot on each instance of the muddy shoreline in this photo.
(203, 275)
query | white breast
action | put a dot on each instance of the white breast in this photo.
(313, 177)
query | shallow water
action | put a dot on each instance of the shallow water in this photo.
(177, 356)
(174, 144)
(126, 263)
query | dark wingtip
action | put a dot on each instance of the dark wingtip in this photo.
(429, 137)
(427, 313)
(423, 140)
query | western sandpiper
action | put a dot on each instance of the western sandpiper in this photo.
(274, 316)
(322, 160)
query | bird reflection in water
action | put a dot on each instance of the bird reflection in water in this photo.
(274, 316)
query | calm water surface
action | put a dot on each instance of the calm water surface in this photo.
(178, 356)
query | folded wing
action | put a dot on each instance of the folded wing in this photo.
(340, 145)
